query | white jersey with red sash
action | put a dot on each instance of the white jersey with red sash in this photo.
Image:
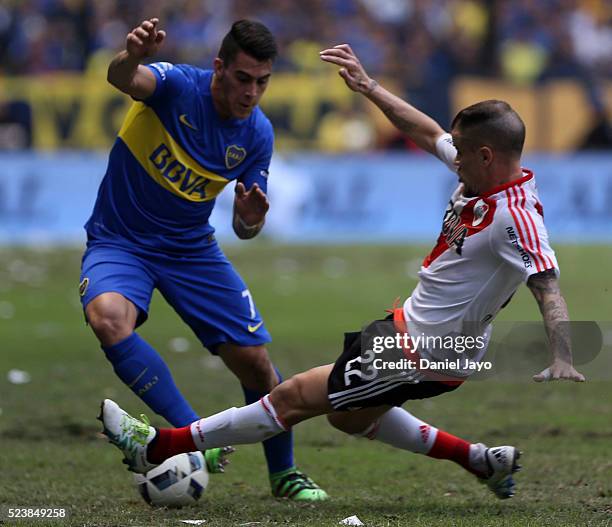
(488, 246)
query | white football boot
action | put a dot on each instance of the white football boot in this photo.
(128, 434)
(501, 463)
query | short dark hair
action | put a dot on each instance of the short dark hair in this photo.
(492, 123)
(253, 38)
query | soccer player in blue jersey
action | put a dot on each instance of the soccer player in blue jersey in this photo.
(188, 134)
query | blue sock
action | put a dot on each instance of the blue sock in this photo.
(142, 369)
(278, 449)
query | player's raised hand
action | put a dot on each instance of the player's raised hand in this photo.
(250, 206)
(145, 40)
(351, 69)
(559, 370)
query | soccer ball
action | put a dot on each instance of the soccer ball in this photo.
(178, 481)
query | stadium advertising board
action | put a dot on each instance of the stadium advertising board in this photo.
(46, 198)
(84, 112)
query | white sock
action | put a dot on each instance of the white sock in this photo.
(478, 459)
(401, 429)
(237, 426)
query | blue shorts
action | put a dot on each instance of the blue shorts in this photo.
(204, 289)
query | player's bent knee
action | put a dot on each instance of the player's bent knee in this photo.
(358, 423)
(112, 318)
(342, 422)
(289, 402)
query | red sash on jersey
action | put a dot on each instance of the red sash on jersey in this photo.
(400, 325)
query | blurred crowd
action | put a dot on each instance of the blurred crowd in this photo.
(519, 39)
(422, 44)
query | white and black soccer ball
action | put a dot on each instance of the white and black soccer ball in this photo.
(178, 481)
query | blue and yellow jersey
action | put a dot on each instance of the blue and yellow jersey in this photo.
(172, 157)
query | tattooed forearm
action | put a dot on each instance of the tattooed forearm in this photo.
(543, 283)
(545, 289)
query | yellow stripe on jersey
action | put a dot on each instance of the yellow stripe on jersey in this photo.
(164, 159)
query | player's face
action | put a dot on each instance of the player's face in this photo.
(242, 82)
(471, 168)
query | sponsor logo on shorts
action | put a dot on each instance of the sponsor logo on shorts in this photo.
(83, 286)
(253, 329)
(234, 155)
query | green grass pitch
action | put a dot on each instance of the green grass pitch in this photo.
(52, 455)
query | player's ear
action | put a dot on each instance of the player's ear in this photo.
(486, 155)
(218, 67)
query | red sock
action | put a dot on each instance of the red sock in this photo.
(169, 442)
(448, 446)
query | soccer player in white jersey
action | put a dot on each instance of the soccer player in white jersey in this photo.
(493, 239)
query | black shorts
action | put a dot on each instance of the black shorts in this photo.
(349, 388)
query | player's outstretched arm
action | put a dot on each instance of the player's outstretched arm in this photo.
(125, 71)
(545, 289)
(421, 128)
(250, 208)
